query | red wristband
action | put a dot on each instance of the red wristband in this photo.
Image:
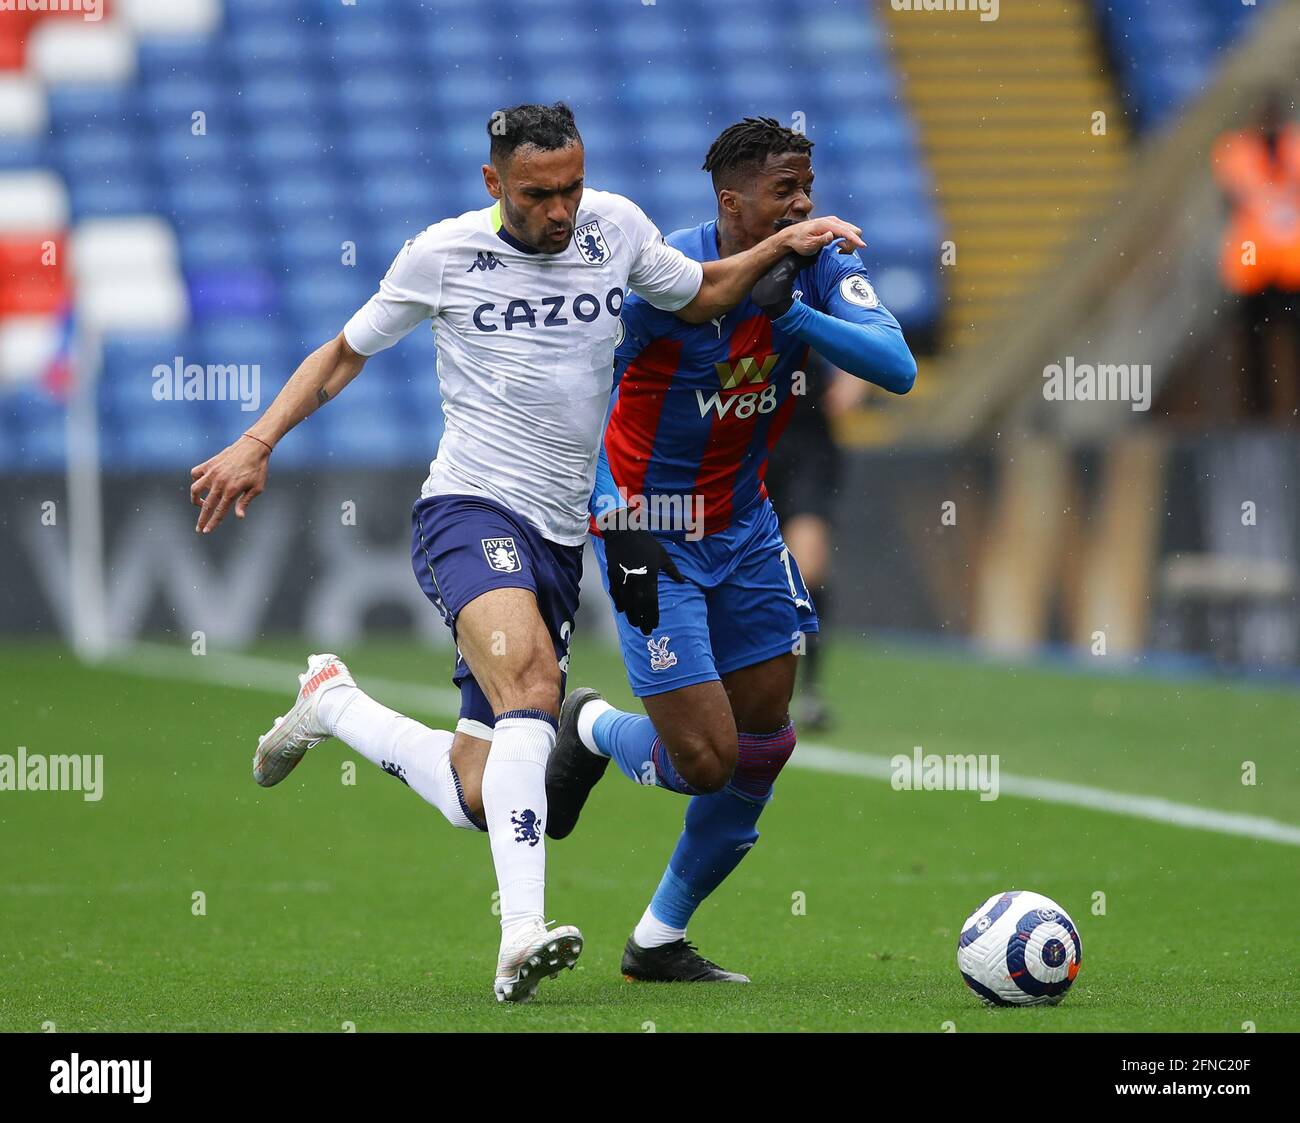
(260, 441)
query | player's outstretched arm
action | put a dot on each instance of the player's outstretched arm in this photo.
(727, 282)
(237, 474)
(855, 332)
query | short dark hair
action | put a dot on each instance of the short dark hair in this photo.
(745, 146)
(547, 127)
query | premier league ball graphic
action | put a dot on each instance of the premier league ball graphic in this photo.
(1019, 949)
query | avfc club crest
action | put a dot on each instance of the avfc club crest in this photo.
(501, 554)
(591, 243)
(857, 290)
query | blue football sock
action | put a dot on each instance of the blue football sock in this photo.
(630, 741)
(720, 830)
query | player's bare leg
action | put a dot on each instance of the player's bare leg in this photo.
(760, 695)
(469, 757)
(508, 649)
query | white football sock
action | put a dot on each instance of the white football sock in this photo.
(514, 805)
(586, 721)
(399, 745)
(653, 933)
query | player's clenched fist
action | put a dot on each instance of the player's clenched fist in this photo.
(633, 561)
(237, 474)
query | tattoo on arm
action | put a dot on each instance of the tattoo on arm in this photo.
(322, 396)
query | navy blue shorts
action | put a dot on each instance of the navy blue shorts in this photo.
(464, 545)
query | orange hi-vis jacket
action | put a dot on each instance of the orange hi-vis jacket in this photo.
(1264, 192)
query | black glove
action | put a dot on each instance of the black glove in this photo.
(633, 561)
(772, 292)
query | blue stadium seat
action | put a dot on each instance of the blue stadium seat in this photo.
(165, 55)
(22, 153)
(105, 195)
(1168, 50)
(36, 439)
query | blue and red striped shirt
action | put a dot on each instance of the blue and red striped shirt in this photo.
(698, 407)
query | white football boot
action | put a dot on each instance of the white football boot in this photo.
(535, 954)
(281, 748)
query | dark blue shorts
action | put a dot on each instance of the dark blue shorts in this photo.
(743, 602)
(464, 545)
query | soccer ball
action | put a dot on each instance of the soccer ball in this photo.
(1019, 949)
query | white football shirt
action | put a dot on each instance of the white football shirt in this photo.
(525, 347)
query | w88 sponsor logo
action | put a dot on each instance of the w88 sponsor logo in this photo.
(739, 406)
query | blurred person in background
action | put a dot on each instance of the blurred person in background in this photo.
(803, 479)
(1258, 169)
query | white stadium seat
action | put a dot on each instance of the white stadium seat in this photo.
(123, 247)
(32, 202)
(73, 51)
(22, 105)
(127, 274)
(143, 303)
(171, 17)
(27, 344)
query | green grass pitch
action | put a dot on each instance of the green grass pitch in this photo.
(328, 904)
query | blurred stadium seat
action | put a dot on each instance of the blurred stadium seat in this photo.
(1167, 51)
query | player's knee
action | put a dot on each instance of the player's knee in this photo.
(532, 688)
(760, 758)
(705, 761)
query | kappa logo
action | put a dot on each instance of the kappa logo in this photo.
(485, 261)
(501, 554)
(660, 657)
(591, 243)
(528, 827)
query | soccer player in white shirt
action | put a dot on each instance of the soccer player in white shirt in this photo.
(524, 297)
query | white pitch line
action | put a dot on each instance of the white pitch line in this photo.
(248, 672)
(842, 762)
(269, 676)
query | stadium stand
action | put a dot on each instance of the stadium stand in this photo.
(241, 202)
